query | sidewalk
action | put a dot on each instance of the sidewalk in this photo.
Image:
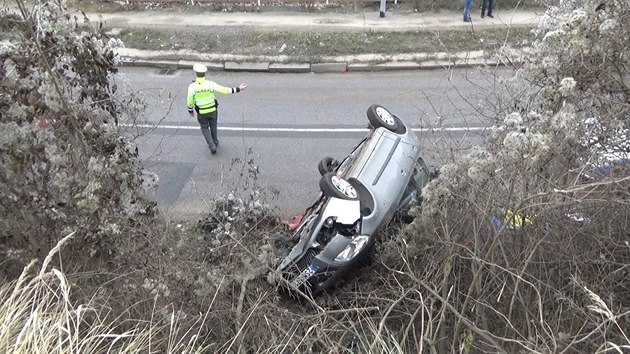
(362, 21)
(280, 20)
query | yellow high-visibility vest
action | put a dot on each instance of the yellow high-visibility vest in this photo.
(516, 221)
(201, 95)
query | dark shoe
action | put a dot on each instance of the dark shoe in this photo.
(490, 15)
(483, 15)
(467, 19)
(213, 151)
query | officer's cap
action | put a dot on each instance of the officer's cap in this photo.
(200, 68)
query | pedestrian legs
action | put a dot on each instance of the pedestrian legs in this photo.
(214, 116)
(205, 123)
(487, 5)
(467, 6)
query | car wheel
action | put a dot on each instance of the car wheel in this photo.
(337, 187)
(381, 117)
(327, 164)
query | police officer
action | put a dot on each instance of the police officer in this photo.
(201, 99)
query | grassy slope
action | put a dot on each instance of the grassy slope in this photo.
(313, 44)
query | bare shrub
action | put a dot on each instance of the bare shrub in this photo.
(64, 166)
(518, 229)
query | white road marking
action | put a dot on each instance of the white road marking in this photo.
(300, 130)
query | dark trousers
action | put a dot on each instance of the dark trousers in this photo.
(208, 124)
(487, 4)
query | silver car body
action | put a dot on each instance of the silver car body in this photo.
(336, 232)
(384, 167)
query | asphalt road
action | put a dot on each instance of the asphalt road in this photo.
(274, 133)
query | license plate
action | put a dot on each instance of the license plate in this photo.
(304, 275)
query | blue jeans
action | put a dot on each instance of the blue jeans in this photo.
(208, 124)
(467, 6)
(487, 4)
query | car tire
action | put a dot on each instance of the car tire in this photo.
(337, 187)
(327, 164)
(379, 117)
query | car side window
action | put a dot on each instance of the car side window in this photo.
(419, 179)
(421, 174)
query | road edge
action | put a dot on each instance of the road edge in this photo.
(418, 61)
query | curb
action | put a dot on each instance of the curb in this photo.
(320, 67)
(428, 62)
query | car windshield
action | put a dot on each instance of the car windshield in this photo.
(347, 162)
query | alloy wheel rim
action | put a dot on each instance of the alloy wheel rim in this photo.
(385, 116)
(344, 187)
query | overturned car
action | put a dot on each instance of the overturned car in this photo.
(382, 176)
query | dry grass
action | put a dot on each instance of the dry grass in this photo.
(317, 44)
(38, 315)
